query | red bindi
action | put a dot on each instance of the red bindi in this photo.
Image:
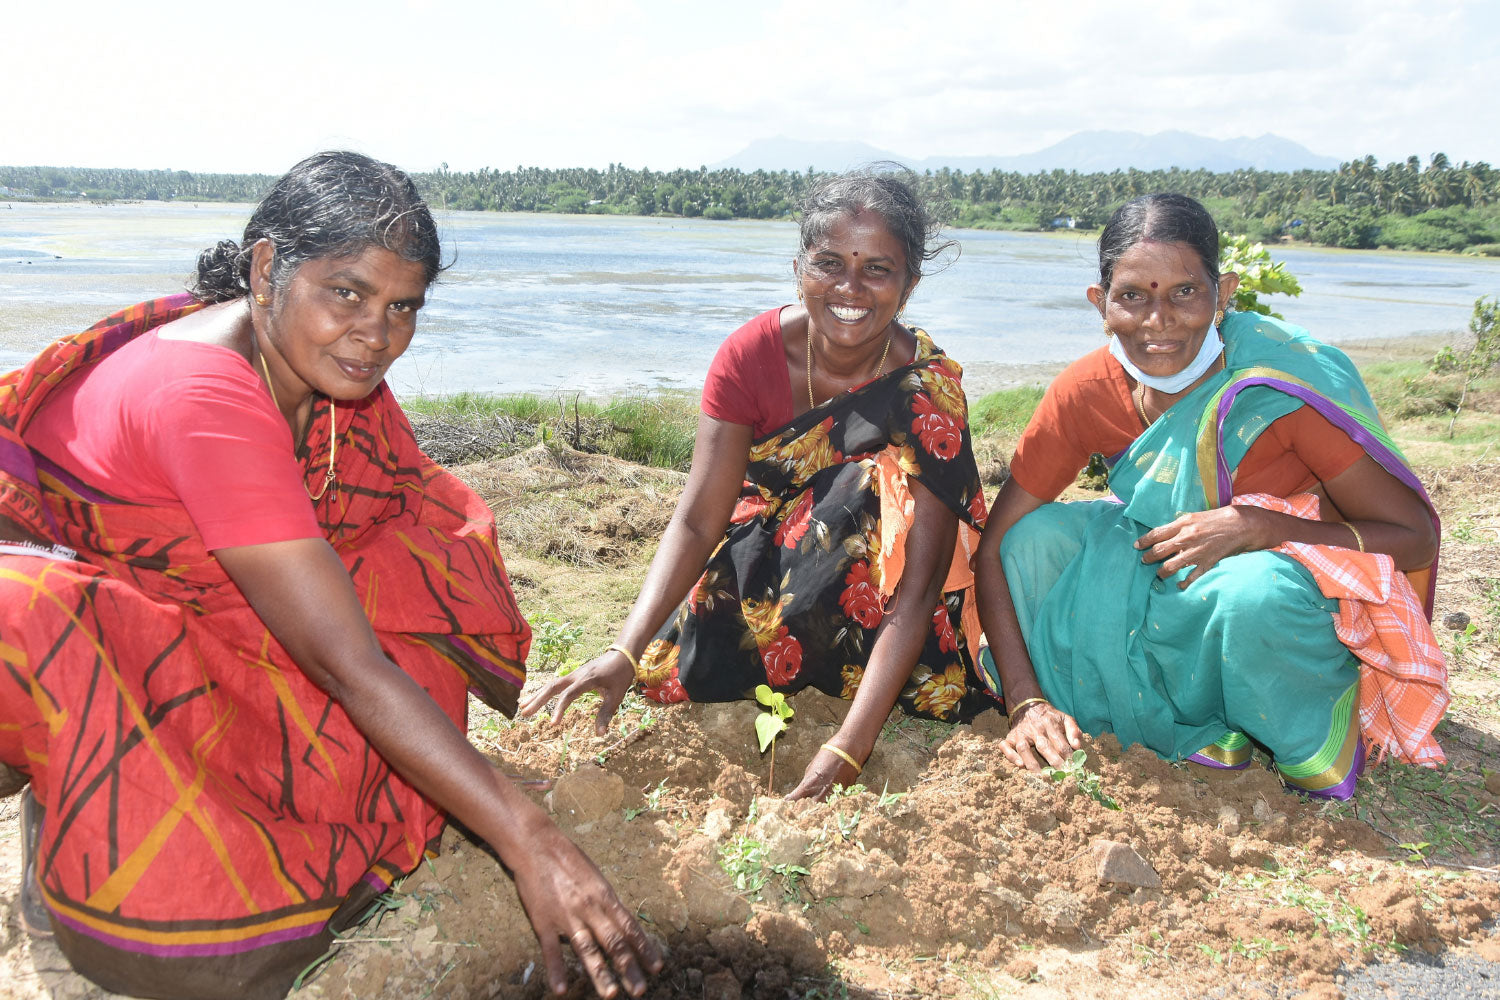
(856, 253)
(1153, 284)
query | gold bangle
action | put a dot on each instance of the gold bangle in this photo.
(845, 756)
(1358, 538)
(1011, 718)
(635, 665)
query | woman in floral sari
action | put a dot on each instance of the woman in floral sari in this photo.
(824, 533)
(1241, 586)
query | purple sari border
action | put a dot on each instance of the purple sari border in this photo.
(71, 481)
(18, 460)
(234, 947)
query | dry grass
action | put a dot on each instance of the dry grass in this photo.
(582, 510)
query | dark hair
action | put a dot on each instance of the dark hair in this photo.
(333, 204)
(888, 190)
(1161, 218)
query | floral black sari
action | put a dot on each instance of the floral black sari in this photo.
(796, 592)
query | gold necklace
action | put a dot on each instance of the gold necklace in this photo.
(333, 433)
(811, 403)
(1139, 395)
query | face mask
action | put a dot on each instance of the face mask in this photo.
(1208, 353)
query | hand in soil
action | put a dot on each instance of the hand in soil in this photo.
(821, 775)
(609, 673)
(1042, 735)
(567, 899)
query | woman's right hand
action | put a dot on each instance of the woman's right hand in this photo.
(609, 673)
(1041, 730)
(567, 899)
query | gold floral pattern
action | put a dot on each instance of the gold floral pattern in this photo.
(658, 663)
(939, 694)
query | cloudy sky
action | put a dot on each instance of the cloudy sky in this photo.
(211, 86)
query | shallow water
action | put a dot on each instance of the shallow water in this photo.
(606, 304)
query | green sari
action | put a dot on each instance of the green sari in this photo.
(1248, 652)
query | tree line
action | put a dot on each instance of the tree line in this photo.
(1362, 204)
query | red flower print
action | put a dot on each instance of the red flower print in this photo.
(938, 432)
(977, 509)
(795, 525)
(748, 509)
(943, 626)
(669, 692)
(783, 658)
(860, 600)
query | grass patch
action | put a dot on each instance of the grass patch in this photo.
(471, 426)
(1444, 807)
(1005, 412)
(1338, 918)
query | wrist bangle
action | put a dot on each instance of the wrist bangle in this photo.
(1017, 710)
(635, 665)
(844, 756)
(1358, 538)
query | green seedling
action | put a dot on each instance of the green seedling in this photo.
(653, 802)
(1087, 781)
(771, 725)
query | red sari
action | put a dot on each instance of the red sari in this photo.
(212, 815)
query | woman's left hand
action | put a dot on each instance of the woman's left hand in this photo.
(1201, 539)
(823, 772)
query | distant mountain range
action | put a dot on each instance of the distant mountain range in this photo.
(1085, 152)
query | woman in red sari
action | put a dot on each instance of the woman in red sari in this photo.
(239, 612)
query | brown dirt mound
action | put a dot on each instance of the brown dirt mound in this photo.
(949, 874)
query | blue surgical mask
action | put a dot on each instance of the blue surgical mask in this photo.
(1208, 353)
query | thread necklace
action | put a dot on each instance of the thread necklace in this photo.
(333, 432)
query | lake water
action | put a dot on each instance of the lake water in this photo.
(607, 304)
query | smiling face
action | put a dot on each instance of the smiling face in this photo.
(854, 282)
(1161, 304)
(339, 322)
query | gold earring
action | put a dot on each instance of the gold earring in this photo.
(1218, 317)
(1107, 331)
(262, 299)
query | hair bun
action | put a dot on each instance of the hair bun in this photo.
(222, 273)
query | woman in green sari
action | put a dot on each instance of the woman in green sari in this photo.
(1167, 614)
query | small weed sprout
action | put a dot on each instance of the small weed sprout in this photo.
(1477, 361)
(1463, 531)
(1087, 781)
(889, 799)
(653, 802)
(1416, 850)
(744, 860)
(771, 724)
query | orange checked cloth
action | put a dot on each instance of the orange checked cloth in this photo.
(1403, 684)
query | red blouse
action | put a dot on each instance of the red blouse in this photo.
(176, 423)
